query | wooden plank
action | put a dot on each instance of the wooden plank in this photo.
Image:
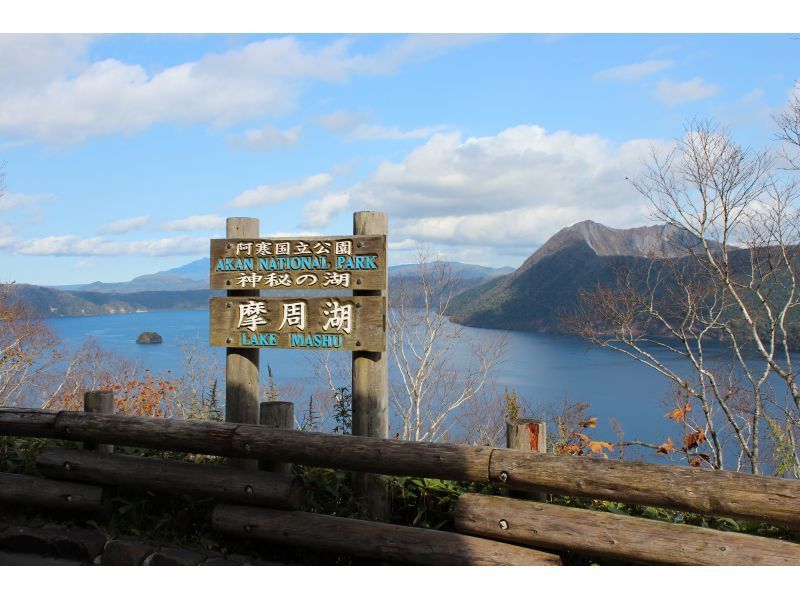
(38, 492)
(327, 263)
(370, 384)
(321, 323)
(691, 489)
(278, 415)
(99, 401)
(369, 539)
(712, 492)
(618, 536)
(16, 421)
(172, 477)
(194, 436)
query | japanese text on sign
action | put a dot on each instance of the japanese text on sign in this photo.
(352, 263)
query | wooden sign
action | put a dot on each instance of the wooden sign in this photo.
(343, 323)
(328, 263)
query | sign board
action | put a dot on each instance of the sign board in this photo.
(343, 323)
(329, 263)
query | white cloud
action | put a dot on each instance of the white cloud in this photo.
(414, 48)
(318, 212)
(97, 246)
(354, 125)
(7, 238)
(271, 194)
(282, 234)
(671, 93)
(266, 138)
(513, 189)
(66, 98)
(375, 132)
(31, 60)
(11, 201)
(198, 222)
(342, 120)
(631, 72)
(124, 226)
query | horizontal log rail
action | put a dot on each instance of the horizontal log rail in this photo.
(370, 539)
(620, 537)
(708, 492)
(50, 494)
(172, 477)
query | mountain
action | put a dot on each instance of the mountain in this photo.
(189, 277)
(549, 281)
(459, 270)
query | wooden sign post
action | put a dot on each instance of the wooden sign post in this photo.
(241, 365)
(371, 386)
(353, 270)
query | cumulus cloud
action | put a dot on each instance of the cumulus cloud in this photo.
(267, 137)
(271, 194)
(32, 60)
(318, 212)
(71, 245)
(198, 222)
(515, 188)
(124, 226)
(631, 72)
(671, 93)
(67, 98)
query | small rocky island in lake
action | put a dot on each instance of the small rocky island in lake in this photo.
(149, 338)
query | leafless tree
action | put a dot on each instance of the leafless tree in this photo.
(433, 383)
(733, 279)
(27, 351)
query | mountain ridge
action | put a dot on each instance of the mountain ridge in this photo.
(550, 280)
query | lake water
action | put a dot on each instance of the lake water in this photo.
(544, 369)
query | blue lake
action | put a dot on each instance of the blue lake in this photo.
(544, 369)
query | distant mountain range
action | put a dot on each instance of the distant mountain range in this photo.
(186, 288)
(528, 298)
(549, 281)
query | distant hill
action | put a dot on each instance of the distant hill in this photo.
(50, 302)
(191, 276)
(549, 281)
(186, 287)
(457, 269)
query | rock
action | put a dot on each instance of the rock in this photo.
(79, 544)
(74, 544)
(127, 552)
(218, 561)
(26, 539)
(176, 556)
(16, 559)
(149, 338)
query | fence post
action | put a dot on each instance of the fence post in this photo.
(279, 415)
(371, 389)
(99, 401)
(527, 435)
(241, 365)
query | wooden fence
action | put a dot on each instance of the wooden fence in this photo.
(489, 529)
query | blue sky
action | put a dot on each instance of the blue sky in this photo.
(124, 153)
